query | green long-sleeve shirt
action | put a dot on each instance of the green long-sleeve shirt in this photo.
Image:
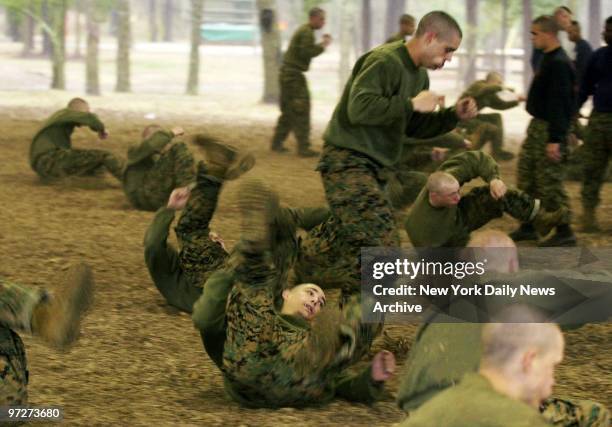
(429, 226)
(375, 112)
(485, 95)
(56, 132)
(474, 403)
(140, 160)
(302, 48)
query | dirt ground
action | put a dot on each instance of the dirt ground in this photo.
(140, 362)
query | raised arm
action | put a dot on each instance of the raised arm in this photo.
(152, 145)
(471, 165)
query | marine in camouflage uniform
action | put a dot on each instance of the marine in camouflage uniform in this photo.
(295, 97)
(52, 155)
(355, 171)
(488, 127)
(153, 170)
(55, 320)
(272, 359)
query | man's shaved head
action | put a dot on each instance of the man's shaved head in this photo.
(78, 104)
(439, 181)
(440, 23)
(494, 77)
(546, 24)
(150, 130)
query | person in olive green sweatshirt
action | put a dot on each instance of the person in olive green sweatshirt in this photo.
(440, 216)
(155, 167)
(489, 127)
(406, 28)
(385, 100)
(294, 94)
(51, 152)
(444, 351)
(274, 341)
(515, 375)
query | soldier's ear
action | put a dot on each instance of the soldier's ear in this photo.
(285, 294)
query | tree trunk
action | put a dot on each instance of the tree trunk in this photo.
(504, 37)
(13, 24)
(595, 23)
(471, 43)
(194, 56)
(58, 51)
(366, 25)
(153, 20)
(347, 21)
(29, 26)
(47, 45)
(270, 48)
(395, 8)
(527, 48)
(123, 46)
(93, 40)
(169, 20)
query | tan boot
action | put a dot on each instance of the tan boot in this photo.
(224, 161)
(545, 221)
(57, 321)
(588, 221)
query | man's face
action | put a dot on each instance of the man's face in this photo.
(563, 19)
(574, 33)
(448, 196)
(540, 374)
(439, 50)
(538, 37)
(318, 21)
(305, 300)
(607, 34)
(407, 28)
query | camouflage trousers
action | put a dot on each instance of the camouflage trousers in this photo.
(361, 216)
(16, 306)
(295, 109)
(597, 154)
(174, 168)
(575, 413)
(198, 257)
(269, 362)
(538, 176)
(485, 128)
(65, 162)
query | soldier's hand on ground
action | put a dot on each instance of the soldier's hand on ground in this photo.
(466, 108)
(426, 101)
(177, 131)
(103, 134)
(498, 189)
(438, 154)
(383, 366)
(467, 144)
(327, 39)
(553, 151)
(178, 198)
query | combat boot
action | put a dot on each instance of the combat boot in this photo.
(279, 148)
(503, 155)
(563, 237)
(545, 221)
(588, 221)
(259, 206)
(57, 320)
(307, 152)
(525, 232)
(224, 161)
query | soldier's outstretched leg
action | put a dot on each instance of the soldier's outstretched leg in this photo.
(575, 413)
(496, 136)
(55, 319)
(62, 162)
(284, 124)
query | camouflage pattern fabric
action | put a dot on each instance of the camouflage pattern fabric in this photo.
(361, 216)
(537, 175)
(64, 162)
(576, 413)
(172, 169)
(597, 150)
(16, 306)
(295, 109)
(485, 128)
(270, 360)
